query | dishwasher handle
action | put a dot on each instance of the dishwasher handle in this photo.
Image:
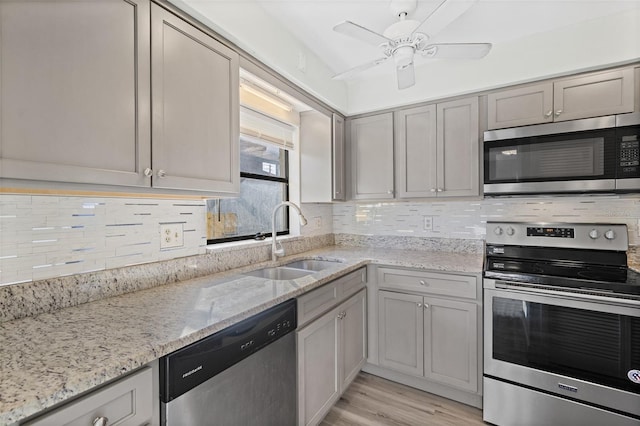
(186, 368)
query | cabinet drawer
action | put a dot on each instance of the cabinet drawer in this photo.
(427, 282)
(127, 402)
(322, 299)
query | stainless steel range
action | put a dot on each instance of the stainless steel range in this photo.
(561, 325)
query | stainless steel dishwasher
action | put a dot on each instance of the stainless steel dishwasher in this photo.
(242, 375)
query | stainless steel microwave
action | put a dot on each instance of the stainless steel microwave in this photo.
(591, 155)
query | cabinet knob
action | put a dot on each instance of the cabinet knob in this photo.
(426, 306)
(162, 173)
(558, 112)
(548, 114)
(100, 421)
(419, 305)
(148, 172)
(439, 190)
(432, 190)
(390, 192)
(422, 282)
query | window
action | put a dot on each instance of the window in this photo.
(264, 182)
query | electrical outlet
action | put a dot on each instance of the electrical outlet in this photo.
(317, 222)
(171, 235)
(428, 223)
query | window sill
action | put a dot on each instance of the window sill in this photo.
(241, 245)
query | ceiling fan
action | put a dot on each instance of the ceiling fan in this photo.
(401, 41)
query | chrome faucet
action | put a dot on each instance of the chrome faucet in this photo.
(275, 251)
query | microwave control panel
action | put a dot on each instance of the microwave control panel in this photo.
(629, 158)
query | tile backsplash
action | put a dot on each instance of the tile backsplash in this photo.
(467, 219)
(49, 236)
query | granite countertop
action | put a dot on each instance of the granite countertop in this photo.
(51, 357)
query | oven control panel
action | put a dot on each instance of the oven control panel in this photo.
(596, 236)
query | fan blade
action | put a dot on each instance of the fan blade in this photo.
(444, 14)
(456, 50)
(348, 73)
(361, 33)
(406, 76)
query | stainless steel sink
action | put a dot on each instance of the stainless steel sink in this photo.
(312, 265)
(279, 273)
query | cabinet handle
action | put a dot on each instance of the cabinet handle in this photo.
(162, 173)
(390, 192)
(422, 282)
(432, 190)
(426, 306)
(419, 305)
(558, 112)
(148, 172)
(548, 114)
(100, 421)
(439, 190)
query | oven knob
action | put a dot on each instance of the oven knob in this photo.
(610, 235)
(510, 231)
(497, 230)
(594, 234)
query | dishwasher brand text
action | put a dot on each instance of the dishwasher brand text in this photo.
(195, 370)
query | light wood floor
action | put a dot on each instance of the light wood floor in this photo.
(373, 401)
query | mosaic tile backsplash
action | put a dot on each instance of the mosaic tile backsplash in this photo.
(467, 219)
(48, 236)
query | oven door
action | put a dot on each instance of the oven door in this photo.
(580, 161)
(581, 347)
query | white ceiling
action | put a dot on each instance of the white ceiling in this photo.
(493, 21)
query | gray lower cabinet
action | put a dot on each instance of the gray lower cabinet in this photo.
(371, 148)
(331, 349)
(195, 108)
(74, 91)
(582, 96)
(126, 402)
(431, 337)
(427, 331)
(437, 150)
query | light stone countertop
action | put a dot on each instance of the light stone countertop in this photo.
(52, 357)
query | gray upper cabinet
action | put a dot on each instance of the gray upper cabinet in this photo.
(458, 169)
(437, 150)
(582, 96)
(195, 108)
(416, 152)
(371, 141)
(339, 186)
(521, 106)
(74, 100)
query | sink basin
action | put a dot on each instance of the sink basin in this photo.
(279, 273)
(312, 265)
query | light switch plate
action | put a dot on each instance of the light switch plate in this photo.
(171, 235)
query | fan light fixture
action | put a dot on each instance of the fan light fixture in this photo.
(401, 41)
(272, 99)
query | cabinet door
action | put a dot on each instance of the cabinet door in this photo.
(195, 108)
(451, 343)
(593, 95)
(353, 337)
(318, 373)
(401, 332)
(371, 140)
(458, 169)
(415, 148)
(315, 157)
(338, 147)
(521, 106)
(74, 101)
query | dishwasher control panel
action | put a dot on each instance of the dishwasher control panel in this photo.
(192, 365)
